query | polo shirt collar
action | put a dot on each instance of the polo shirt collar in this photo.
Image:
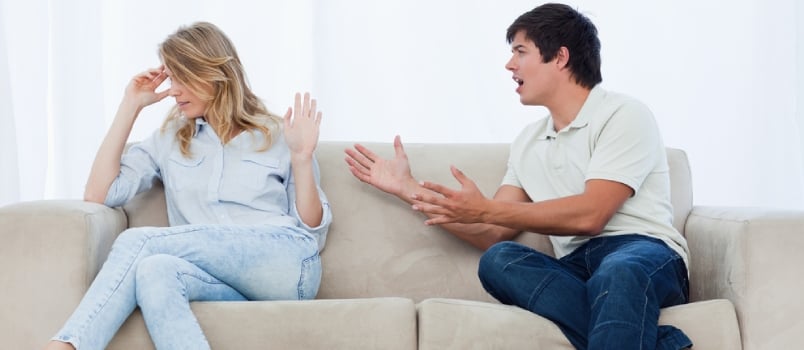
(594, 99)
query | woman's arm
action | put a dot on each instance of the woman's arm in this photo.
(301, 127)
(140, 92)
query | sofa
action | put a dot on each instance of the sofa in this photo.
(390, 282)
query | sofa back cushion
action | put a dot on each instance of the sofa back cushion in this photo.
(378, 246)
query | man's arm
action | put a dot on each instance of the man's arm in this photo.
(393, 176)
(483, 234)
(583, 214)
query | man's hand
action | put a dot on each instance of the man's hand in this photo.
(389, 175)
(445, 205)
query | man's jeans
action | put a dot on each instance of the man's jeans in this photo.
(604, 295)
(162, 269)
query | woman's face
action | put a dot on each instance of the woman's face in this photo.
(189, 104)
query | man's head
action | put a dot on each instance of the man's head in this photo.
(553, 26)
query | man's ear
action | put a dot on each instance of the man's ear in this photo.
(562, 57)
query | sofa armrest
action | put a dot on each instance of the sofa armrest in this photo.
(753, 257)
(51, 251)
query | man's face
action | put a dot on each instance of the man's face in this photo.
(535, 79)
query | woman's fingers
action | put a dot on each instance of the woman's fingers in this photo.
(307, 105)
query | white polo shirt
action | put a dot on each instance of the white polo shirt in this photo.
(614, 137)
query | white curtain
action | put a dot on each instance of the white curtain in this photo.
(9, 167)
(725, 83)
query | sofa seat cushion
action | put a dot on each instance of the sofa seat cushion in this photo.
(464, 324)
(376, 323)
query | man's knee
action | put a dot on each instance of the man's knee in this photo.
(493, 261)
(619, 272)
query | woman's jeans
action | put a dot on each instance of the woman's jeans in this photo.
(604, 295)
(162, 269)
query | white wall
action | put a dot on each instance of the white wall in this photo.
(721, 76)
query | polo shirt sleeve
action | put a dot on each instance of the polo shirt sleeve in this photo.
(627, 147)
(510, 177)
(515, 155)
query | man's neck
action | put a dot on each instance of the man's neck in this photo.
(566, 104)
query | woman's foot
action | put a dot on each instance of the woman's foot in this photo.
(57, 345)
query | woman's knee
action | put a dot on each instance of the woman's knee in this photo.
(154, 274)
(133, 238)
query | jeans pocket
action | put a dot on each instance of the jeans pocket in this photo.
(310, 278)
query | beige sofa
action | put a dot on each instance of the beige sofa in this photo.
(391, 282)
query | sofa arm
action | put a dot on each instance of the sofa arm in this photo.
(753, 257)
(51, 251)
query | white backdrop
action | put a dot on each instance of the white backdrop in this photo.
(721, 76)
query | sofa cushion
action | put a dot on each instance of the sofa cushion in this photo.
(379, 323)
(464, 324)
(680, 187)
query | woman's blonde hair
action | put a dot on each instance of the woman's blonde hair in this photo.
(200, 56)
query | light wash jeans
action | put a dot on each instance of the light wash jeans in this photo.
(162, 269)
(604, 295)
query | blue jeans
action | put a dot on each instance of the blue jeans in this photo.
(162, 269)
(604, 295)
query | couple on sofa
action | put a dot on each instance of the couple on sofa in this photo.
(248, 216)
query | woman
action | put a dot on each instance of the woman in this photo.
(247, 215)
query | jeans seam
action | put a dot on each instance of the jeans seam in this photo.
(538, 290)
(523, 257)
(671, 259)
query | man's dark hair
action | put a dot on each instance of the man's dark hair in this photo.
(551, 26)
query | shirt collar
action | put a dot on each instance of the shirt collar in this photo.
(200, 124)
(582, 119)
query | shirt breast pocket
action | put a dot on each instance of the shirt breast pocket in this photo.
(185, 173)
(260, 171)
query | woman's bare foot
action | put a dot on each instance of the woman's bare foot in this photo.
(57, 345)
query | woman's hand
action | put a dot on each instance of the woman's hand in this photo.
(141, 90)
(302, 127)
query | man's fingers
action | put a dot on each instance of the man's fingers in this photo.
(355, 164)
(367, 153)
(428, 208)
(428, 199)
(440, 189)
(439, 220)
(360, 158)
(398, 148)
(359, 175)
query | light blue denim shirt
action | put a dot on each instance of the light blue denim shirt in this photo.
(218, 184)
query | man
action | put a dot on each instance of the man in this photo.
(593, 175)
